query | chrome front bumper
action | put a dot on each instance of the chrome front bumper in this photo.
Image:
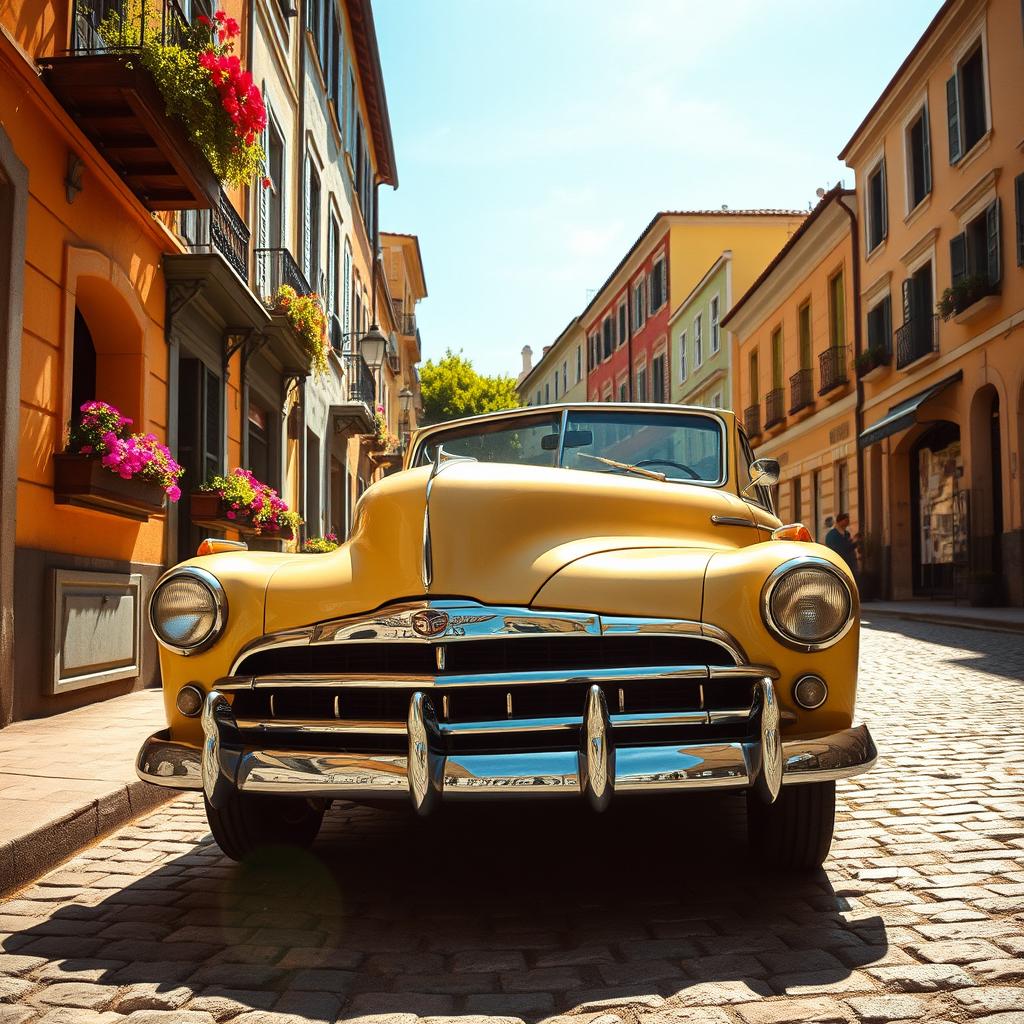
(596, 768)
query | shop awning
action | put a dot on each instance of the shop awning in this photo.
(904, 415)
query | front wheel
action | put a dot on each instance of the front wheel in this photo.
(795, 832)
(249, 822)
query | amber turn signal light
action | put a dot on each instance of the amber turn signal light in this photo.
(792, 531)
(214, 545)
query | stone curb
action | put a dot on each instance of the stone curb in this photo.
(28, 856)
(939, 619)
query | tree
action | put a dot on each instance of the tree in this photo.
(451, 388)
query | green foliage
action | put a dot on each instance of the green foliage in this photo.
(451, 388)
(307, 319)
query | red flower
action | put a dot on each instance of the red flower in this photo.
(204, 20)
(267, 183)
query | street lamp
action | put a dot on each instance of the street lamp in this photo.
(372, 347)
(405, 401)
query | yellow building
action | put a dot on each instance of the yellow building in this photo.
(560, 375)
(794, 331)
(940, 197)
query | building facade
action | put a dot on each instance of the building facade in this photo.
(560, 375)
(940, 191)
(131, 276)
(795, 385)
(629, 355)
(703, 350)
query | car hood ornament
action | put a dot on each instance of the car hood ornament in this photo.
(430, 622)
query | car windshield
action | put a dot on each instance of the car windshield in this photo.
(684, 447)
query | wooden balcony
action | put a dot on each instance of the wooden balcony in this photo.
(117, 104)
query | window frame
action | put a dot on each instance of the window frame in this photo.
(922, 114)
(698, 342)
(976, 42)
(714, 318)
(682, 356)
(878, 170)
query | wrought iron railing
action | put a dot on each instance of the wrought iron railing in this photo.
(801, 390)
(220, 229)
(113, 26)
(916, 338)
(337, 335)
(358, 384)
(275, 267)
(832, 368)
(752, 420)
(774, 407)
(407, 323)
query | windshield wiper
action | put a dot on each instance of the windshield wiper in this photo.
(625, 466)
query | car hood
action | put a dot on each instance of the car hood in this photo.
(502, 534)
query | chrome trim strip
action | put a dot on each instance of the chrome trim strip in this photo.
(732, 521)
(441, 460)
(325, 726)
(221, 749)
(169, 763)
(343, 776)
(220, 600)
(529, 774)
(697, 766)
(597, 752)
(792, 565)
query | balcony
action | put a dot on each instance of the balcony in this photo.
(407, 324)
(354, 415)
(832, 369)
(752, 420)
(337, 334)
(117, 104)
(219, 230)
(873, 362)
(274, 268)
(358, 385)
(916, 339)
(774, 411)
(801, 390)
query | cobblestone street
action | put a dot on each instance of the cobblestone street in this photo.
(651, 912)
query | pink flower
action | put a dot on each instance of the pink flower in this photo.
(174, 492)
(231, 515)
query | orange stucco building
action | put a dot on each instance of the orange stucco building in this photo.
(129, 275)
(795, 329)
(940, 191)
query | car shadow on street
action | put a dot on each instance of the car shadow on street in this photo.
(971, 650)
(523, 909)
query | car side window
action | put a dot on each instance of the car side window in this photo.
(760, 495)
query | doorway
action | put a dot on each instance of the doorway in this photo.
(938, 512)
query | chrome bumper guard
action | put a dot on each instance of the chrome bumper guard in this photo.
(596, 768)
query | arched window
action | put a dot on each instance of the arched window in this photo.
(83, 366)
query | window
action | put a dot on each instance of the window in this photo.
(716, 400)
(595, 348)
(538, 396)
(880, 326)
(346, 298)
(350, 119)
(83, 366)
(641, 384)
(842, 477)
(311, 226)
(974, 254)
(919, 159)
(713, 317)
(638, 305)
(777, 358)
(556, 385)
(836, 311)
(755, 388)
(682, 355)
(547, 394)
(966, 108)
(698, 342)
(796, 506)
(1018, 190)
(565, 376)
(622, 392)
(658, 378)
(623, 323)
(314, 527)
(657, 285)
(579, 363)
(608, 337)
(804, 323)
(877, 207)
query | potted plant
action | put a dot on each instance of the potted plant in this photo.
(873, 358)
(106, 468)
(200, 79)
(305, 315)
(320, 545)
(241, 502)
(963, 294)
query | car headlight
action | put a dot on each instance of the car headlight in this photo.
(807, 603)
(188, 610)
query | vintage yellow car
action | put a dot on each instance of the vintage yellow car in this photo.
(582, 601)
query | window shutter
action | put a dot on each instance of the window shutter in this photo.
(664, 282)
(887, 324)
(885, 204)
(1019, 190)
(953, 118)
(307, 222)
(995, 261)
(926, 154)
(957, 258)
(908, 299)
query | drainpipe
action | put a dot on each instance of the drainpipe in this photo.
(858, 411)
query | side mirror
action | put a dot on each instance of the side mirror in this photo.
(763, 473)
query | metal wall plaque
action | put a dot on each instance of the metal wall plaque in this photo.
(97, 628)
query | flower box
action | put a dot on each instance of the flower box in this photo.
(84, 481)
(207, 509)
(871, 364)
(283, 533)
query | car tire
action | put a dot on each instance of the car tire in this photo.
(251, 822)
(795, 832)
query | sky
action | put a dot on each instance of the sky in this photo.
(535, 139)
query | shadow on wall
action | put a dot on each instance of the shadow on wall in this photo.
(521, 911)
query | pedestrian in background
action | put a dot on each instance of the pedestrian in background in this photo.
(840, 541)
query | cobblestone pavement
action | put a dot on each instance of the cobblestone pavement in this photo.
(649, 914)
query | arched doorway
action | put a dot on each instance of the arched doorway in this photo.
(986, 492)
(938, 510)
